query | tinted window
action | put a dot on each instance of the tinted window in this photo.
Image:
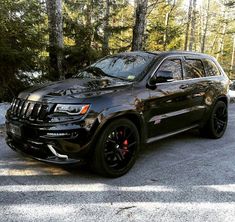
(193, 69)
(173, 66)
(211, 68)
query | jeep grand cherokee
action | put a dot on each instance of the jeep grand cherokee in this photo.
(105, 112)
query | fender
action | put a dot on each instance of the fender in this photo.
(122, 111)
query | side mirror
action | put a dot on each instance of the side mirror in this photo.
(160, 77)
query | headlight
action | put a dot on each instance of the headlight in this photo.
(72, 109)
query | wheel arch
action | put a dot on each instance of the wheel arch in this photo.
(135, 118)
(223, 99)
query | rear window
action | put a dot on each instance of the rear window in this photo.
(193, 68)
(211, 68)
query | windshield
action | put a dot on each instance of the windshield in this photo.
(122, 66)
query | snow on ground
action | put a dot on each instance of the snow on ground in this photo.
(3, 109)
(232, 95)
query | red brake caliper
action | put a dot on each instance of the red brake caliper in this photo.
(125, 146)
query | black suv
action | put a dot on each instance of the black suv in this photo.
(103, 114)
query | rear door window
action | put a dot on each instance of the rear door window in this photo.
(193, 68)
(211, 68)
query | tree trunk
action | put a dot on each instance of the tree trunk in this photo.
(55, 24)
(105, 46)
(232, 57)
(206, 27)
(221, 40)
(139, 27)
(213, 44)
(193, 23)
(89, 25)
(188, 25)
(167, 20)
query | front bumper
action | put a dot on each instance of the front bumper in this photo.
(42, 153)
(59, 144)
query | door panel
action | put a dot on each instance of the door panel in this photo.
(195, 73)
(169, 106)
(169, 109)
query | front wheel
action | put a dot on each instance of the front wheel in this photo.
(217, 123)
(117, 148)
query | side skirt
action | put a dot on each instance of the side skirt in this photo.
(153, 139)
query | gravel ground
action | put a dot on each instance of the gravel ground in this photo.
(182, 178)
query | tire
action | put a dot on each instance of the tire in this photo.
(116, 149)
(217, 123)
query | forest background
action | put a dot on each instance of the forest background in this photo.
(44, 40)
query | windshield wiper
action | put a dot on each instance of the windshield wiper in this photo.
(102, 73)
(96, 71)
(117, 77)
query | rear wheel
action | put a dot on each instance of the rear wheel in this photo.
(217, 123)
(117, 148)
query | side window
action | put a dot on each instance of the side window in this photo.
(211, 68)
(193, 69)
(172, 67)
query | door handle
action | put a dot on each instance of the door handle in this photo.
(184, 86)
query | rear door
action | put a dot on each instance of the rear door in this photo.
(194, 74)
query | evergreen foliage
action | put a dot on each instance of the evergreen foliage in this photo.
(89, 27)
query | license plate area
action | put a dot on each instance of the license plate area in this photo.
(15, 130)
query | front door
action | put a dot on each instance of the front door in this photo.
(168, 107)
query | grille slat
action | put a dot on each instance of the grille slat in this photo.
(29, 111)
(13, 105)
(21, 104)
(32, 111)
(16, 106)
(43, 112)
(26, 106)
(35, 110)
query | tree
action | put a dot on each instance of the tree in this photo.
(224, 22)
(206, 27)
(105, 45)
(90, 29)
(188, 25)
(232, 56)
(21, 44)
(167, 20)
(193, 24)
(139, 26)
(56, 44)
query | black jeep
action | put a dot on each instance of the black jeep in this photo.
(106, 111)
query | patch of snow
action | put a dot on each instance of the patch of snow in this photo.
(232, 93)
(3, 109)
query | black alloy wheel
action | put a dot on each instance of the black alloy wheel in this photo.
(117, 148)
(218, 121)
(220, 118)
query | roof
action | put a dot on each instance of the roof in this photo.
(167, 53)
(174, 52)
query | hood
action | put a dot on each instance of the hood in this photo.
(73, 88)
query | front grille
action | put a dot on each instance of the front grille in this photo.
(29, 110)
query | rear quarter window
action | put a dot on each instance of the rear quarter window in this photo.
(211, 68)
(193, 68)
